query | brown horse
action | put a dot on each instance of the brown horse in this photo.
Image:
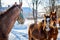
(37, 32)
(7, 20)
(45, 30)
(53, 16)
(53, 30)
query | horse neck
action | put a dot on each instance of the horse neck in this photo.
(36, 25)
(8, 19)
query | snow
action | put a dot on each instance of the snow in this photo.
(20, 31)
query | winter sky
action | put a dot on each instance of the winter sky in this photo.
(26, 3)
(11, 2)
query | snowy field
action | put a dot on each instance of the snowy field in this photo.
(20, 31)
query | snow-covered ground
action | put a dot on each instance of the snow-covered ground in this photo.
(20, 31)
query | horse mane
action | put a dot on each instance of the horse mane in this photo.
(8, 10)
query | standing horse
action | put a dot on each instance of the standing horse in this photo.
(52, 30)
(7, 20)
(45, 30)
(37, 32)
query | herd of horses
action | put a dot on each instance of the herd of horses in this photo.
(46, 29)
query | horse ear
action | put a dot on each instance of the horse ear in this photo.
(44, 15)
(20, 5)
(50, 13)
(15, 3)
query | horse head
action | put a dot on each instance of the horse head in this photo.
(20, 17)
(53, 16)
(47, 21)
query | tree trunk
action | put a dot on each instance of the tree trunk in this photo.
(0, 3)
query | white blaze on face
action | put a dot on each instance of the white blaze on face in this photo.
(47, 26)
(48, 19)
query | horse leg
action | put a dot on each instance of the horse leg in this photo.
(6, 38)
(55, 38)
(30, 38)
(49, 38)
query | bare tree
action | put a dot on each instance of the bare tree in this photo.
(0, 3)
(52, 5)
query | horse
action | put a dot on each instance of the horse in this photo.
(52, 30)
(45, 30)
(7, 20)
(37, 32)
